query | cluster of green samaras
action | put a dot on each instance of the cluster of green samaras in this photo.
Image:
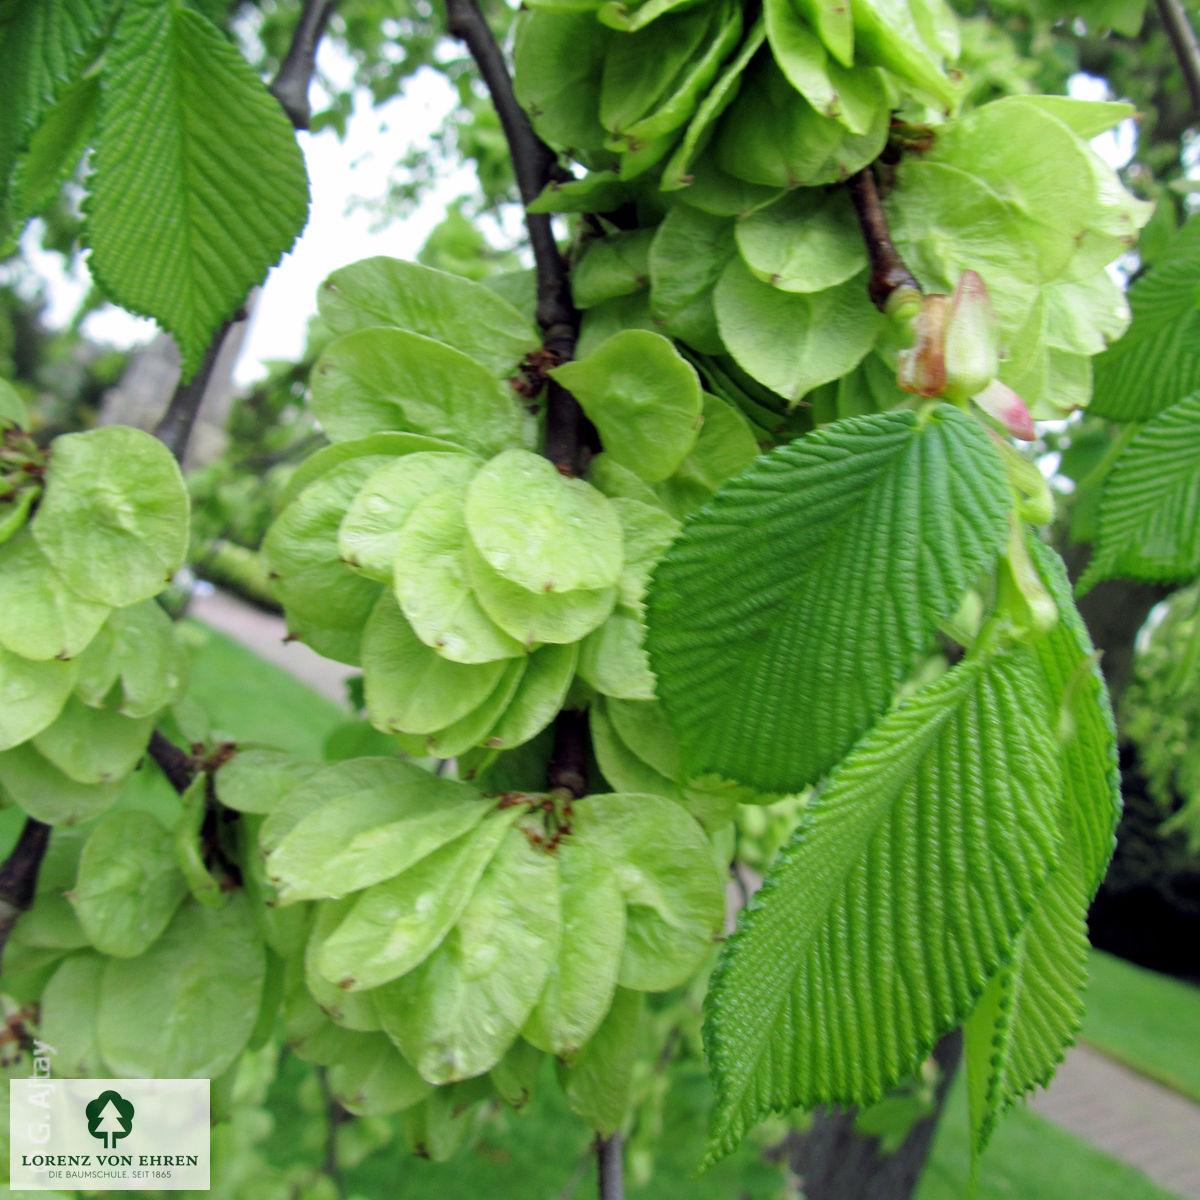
(90, 530)
(477, 586)
(721, 145)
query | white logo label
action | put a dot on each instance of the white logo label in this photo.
(108, 1134)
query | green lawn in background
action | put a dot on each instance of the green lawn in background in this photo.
(1150, 1022)
(247, 697)
(1028, 1159)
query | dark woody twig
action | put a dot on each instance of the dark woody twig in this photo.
(612, 1168)
(177, 765)
(888, 272)
(568, 432)
(290, 86)
(1183, 41)
(19, 874)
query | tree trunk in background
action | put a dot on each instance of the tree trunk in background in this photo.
(834, 1162)
(145, 389)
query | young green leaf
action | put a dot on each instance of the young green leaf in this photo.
(326, 603)
(535, 617)
(94, 745)
(114, 517)
(643, 398)
(541, 530)
(378, 817)
(378, 380)
(409, 687)
(613, 658)
(67, 1020)
(46, 794)
(1150, 507)
(256, 779)
(180, 102)
(805, 242)
(371, 527)
(473, 729)
(32, 694)
(394, 926)
(599, 1083)
(664, 865)
(793, 341)
(538, 698)
(430, 579)
(852, 97)
(186, 1007)
(373, 1080)
(583, 978)
(688, 254)
(457, 1014)
(895, 902)
(43, 617)
(725, 448)
(832, 558)
(135, 664)
(457, 312)
(128, 886)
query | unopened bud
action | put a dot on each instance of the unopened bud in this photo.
(999, 401)
(922, 369)
(971, 347)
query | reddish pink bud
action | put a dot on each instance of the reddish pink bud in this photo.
(922, 369)
(998, 400)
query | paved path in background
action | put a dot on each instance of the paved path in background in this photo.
(1126, 1115)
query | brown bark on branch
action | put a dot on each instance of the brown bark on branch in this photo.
(1183, 41)
(290, 87)
(19, 875)
(178, 766)
(568, 431)
(888, 272)
(611, 1165)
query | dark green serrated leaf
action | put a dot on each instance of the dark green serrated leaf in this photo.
(180, 104)
(1087, 732)
(1032, 1008)
(56, 148)
(895, 902)
(43, 49)
(1149, 524)
(786, 612)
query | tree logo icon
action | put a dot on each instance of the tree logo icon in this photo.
(109, 1117)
